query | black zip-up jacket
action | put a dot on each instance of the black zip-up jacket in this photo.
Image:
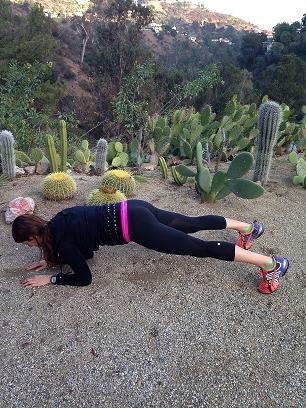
(78, 232)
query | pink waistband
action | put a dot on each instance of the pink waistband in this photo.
(124, 221)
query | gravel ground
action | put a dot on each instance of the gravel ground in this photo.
(155, 330)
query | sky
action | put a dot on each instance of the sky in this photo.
(263, 13)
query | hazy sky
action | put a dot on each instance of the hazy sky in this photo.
(263, 13)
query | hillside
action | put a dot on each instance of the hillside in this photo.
(187, 12)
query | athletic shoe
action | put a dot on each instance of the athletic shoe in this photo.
(245, 239)
(271, 278)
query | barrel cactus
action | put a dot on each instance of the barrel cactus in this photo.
(121, 180)
(269, 119)
(7, 154)
(58, 186)
(99, 197)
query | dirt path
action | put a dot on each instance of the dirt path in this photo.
(156, 330)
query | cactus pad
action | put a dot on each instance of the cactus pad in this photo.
(301, 167)
(240, 165)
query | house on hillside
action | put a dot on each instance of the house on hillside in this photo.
(267, 45)
(139, 2)
(222, 40)
(156, 27)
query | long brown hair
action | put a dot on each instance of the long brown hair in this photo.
(29, 225)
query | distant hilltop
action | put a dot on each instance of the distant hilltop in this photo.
(189, 12)
(185, 11)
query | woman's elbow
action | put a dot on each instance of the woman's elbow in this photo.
(86, 281)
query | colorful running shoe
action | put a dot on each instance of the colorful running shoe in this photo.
(245, 239)
(272, 277)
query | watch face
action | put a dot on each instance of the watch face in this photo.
(53, 279)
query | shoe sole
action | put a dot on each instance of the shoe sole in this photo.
(284, 273)
(261, 232)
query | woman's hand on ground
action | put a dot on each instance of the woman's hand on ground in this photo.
(37, 266)
(36, 281)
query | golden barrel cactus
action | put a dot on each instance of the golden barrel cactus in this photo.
(99, 197)
(121, 180)
(58, 186)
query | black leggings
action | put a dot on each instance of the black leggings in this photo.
(166, 231)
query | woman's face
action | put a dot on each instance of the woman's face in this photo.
(31, 242)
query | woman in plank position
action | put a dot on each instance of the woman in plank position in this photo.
(75, 233)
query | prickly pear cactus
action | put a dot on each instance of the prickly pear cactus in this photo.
(223, 183)
(22, 159)
(7, 154)
(270, 116)
(116, 156)
(37, 155)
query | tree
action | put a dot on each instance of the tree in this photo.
(286, 82)
(20, 91)
(251, 48)
(130, 108)
(25, 39)
(235, 81)
(117, 38)
(286, 33)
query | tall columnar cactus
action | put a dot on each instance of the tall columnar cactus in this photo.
(52, 154)
(101, 157)
(7, 154)
(269, 119)
(64, 145)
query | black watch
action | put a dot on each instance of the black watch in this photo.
(53, 280)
